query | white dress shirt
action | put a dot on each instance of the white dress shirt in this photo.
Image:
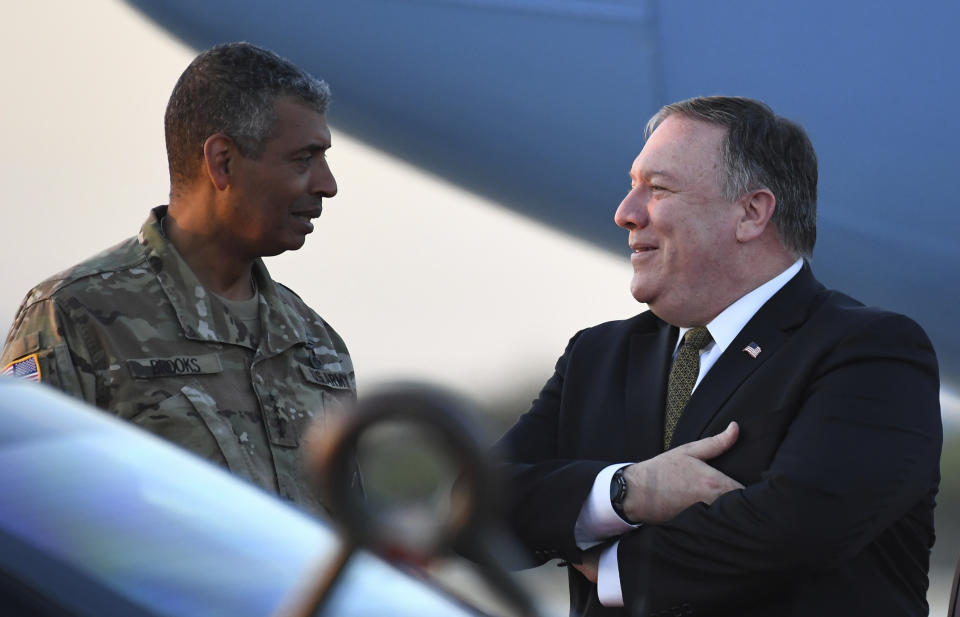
(598, 521)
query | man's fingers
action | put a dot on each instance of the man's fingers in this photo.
(711, 447)
(718, 485)
(662, 487)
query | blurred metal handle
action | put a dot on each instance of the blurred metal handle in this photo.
(470, 522)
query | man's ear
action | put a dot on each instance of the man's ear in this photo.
(218, 152)
(758, 209)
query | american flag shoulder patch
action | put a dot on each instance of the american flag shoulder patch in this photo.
(27, 368)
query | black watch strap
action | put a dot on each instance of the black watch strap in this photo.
(618, 492)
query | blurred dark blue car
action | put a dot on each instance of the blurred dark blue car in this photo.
(98, 518)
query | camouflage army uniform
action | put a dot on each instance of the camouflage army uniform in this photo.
(133, 332)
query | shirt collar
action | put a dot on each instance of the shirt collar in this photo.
(727, 325)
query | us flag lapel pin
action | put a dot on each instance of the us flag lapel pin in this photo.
(753, 350)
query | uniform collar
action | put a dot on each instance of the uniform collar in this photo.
(201, 314)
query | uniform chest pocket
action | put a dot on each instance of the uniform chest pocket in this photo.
(292, 405)
(190, 419)
(337, 387)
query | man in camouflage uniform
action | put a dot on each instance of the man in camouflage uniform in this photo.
(181, 330)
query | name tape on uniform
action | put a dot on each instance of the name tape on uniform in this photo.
(150, 368)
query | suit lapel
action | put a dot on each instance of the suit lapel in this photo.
(649, 361)
(768, 330)
(724, 378)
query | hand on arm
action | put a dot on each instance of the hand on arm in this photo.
(662, 487)
(657, 490)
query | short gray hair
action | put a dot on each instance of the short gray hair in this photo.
(761, 150)
(232, 89)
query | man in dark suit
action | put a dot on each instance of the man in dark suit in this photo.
(799, 476)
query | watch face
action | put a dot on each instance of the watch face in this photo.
(618, 488)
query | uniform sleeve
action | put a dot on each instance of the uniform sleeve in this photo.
(42, 332)
(859, 461)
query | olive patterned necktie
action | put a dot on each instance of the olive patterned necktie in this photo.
(683, 374)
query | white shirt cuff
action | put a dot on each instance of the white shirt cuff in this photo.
(608, 577)
(598, 521)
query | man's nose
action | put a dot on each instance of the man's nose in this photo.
(323, 184)
(632, 211)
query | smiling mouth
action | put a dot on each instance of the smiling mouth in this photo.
(307, 216)
(639, 254)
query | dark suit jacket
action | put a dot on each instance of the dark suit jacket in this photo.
(839, 451)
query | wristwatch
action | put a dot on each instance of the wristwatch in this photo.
(618, 492)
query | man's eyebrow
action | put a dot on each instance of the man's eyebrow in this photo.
(656, 173)
(313, 148)
(659, 173)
